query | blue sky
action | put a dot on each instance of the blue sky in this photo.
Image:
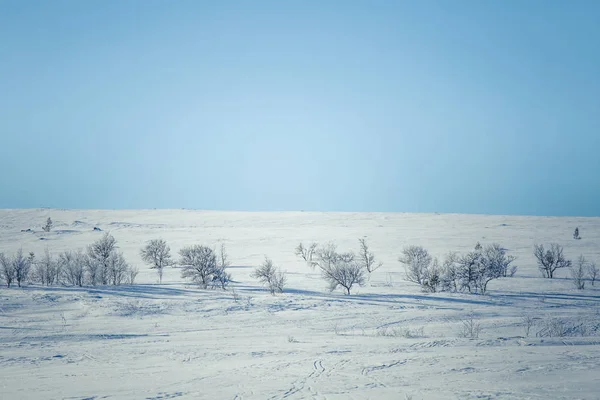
(410, 106)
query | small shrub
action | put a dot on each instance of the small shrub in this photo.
(558, 327)
(528, 323)
(469, 328)
(270, 276)
(404, 332)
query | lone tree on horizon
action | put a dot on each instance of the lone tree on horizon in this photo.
(48, 225)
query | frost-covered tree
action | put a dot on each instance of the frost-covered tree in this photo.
(498, 261)
(199, 264)
(592, 272)
(73, 267)
(476, 269)
(92, 268)
(270, 276)
(307, 253)
(550, 260)
(221, 277)
(344, 272)
(432, 280)
(468, 268)
(118, 269)
(578, 272)
(327, 255)
(494, 263)
(105, 265)
(132, 273)
(7, 269)
(21, 266)
(100, 253)
(157, 254)
(576, 234)
(416, 260)
(48, 226)
(367, 258)
(450, 277)
(46, 271)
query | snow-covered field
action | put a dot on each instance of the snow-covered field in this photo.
(388, 340)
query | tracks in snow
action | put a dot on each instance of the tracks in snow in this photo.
(306, 382)
(367, 370)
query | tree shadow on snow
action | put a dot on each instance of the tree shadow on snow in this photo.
(144, 291)
(388, 299)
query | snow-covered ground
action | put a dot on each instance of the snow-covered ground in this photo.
(388, 340)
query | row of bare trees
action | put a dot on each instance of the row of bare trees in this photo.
(470, 272)
(553, 258)
(15, 268)
(339, 270)
(200, 264)
(100, 264)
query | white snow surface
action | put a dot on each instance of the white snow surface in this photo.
(175, 340)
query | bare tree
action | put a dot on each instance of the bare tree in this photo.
(158, 254)
(48, 226)
(367, 258)
(21, 267)
(494, 263)
(307, 253)
(550, 260)
(8, 271)
(104, 264)
(118, 269)
(45, 270)
(433, 277)
(499, 261)
(73, 267)
(468, 269)
(100, 252)
(593, 272)
(327, 255)
(132, 273)
(450, 279)
(578, 272)
(93, 268)
(416, 260)
(222, 277)
(345, 273)
(199, 264)
(270, 276)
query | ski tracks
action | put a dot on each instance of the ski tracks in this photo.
(367, 370)
(307, 383)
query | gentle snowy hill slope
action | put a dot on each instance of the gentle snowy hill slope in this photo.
(388, 340)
